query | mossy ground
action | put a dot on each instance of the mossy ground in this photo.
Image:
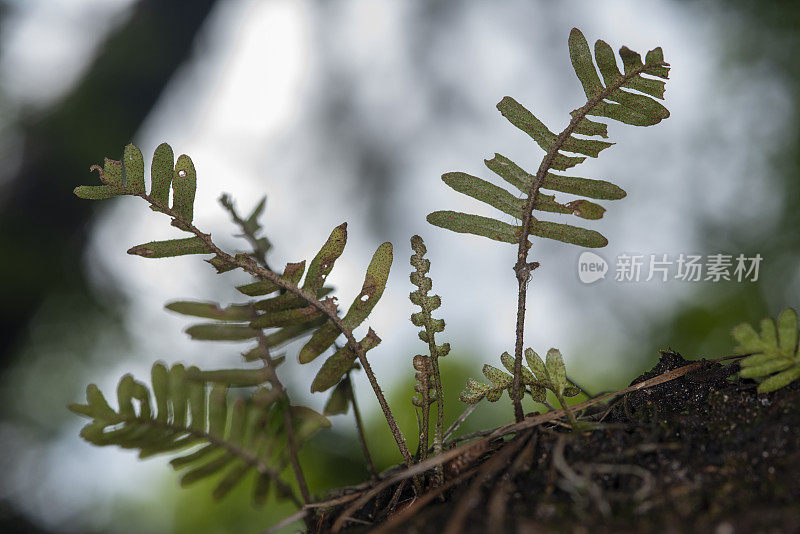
(701, 453)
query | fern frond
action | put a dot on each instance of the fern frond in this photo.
(427, 303)
(294, 316)
(537, 377)
(227, 437)
(774, 354)
(605, 98)
(126, 177)
(251, 227)
(297, 311)
(428, 376)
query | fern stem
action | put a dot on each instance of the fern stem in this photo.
(272, 376)
(424, 423)
(522, 268)
(251, 266)
(457, 423)
(567, 410)
(362, 437)
(438, 432)
(298, 471)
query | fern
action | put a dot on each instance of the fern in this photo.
(428, 375)
(291, 310)
(541, 376)
(300, 310)
(229, 438)
(606, 97)
(251, 227)
(774, 355)
(537, 378)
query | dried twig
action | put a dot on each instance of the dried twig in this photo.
(499, 499)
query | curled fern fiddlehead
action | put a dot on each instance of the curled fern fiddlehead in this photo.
(774, 355)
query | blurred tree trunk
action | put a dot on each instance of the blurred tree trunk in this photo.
(43, 232)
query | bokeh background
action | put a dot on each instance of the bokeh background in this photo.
(350, 111)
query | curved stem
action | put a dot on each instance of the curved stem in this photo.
(522, 268)
(362, 437)
(287, 418)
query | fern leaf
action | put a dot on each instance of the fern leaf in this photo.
(538, 377)
(567, 233)
(528, 123)
(292, 273)
(527, 377)
(524, 181)
(371, 291)
(339, 400)
(212, 310)
(98, 192)
(341, 362)
(606, 97)
(287, 334)
(322, 264)
(229, 439)
(286, 317)
(556, 371)
(233, 377)
(134, 169)
(428, 376)
(162, 171)
(170, 248)
(184, 185)
(221, 332)
(773, 355)
(466, 223)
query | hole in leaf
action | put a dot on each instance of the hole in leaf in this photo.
(364, 298)
(182, 173)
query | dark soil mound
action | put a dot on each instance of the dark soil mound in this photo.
(701, 453)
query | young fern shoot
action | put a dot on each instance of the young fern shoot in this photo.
(427, 367)
(607, 98)
(536, 379)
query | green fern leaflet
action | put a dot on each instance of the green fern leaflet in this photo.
(540, 376)
(774, 355)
